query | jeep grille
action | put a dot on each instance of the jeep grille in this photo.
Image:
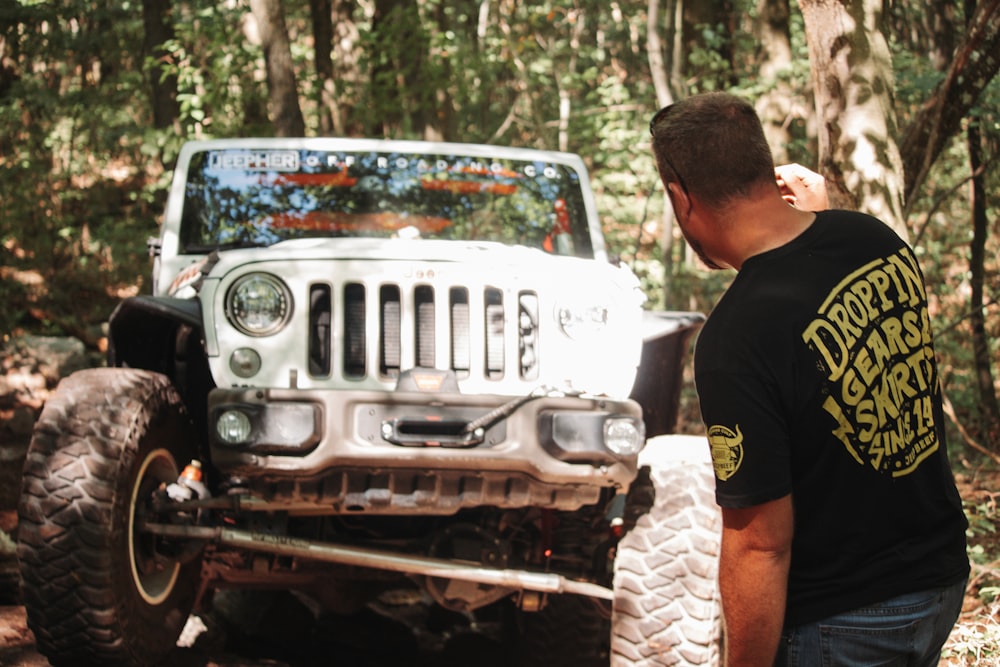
(405, 326)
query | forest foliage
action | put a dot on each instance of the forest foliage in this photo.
(97, 97)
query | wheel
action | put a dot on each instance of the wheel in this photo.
(667, 609)
(97, 591)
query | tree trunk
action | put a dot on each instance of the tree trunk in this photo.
(163, 85)
(661, 71)
(8, 72)
(398, 78)
(577, 23)
(973, 67)
(286, 115)
(437, 104)
(989, 410)
(321, 13)
(711, 25)
(775, 105)
(346, 72)
(658, 68)
(853, 84)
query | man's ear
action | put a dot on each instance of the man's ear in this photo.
(679, 197)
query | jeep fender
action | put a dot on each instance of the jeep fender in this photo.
(164, 335)
(660, 375)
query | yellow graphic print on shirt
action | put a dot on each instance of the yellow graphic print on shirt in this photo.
(873, 338)
(727, 450)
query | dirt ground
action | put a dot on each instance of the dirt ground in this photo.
(365, 641)
(976, 638)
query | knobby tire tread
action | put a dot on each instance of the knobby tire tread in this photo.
(667, 609)
(86, 438)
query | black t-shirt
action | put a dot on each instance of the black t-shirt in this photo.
(816, 377)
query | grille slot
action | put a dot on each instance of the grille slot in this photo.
(405, 326)
(355, 347)
(494, 323)
(390, 348)
(423, 297)
(461, 345)
(320, 315)
(527, 334)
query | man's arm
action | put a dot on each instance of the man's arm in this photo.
(753, 577)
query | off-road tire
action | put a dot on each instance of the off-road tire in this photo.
(667, 609)
(92, 591)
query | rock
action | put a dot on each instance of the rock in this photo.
(54, 357)
(22, 385)
(30, 367)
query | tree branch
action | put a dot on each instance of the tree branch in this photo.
(949, 410)
(976, 62)
(947, 195)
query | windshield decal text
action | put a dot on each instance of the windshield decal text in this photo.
(254, 160)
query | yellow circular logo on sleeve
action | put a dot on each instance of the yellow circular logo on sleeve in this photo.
(727, 450)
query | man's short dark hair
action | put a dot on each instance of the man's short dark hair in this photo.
(713, 145)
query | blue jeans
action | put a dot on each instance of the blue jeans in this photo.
(906, 631)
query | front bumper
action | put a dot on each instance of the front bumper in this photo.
(331, 451)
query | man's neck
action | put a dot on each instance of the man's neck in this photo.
(759, 225)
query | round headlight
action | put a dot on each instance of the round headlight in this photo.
(582, 322)
(258, 304)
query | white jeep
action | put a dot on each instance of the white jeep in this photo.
(370, 364)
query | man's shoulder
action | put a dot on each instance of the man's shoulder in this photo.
(745, 320)
(854, 223)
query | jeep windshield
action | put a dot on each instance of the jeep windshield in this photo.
(245, 198)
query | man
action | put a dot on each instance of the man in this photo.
(843, 539)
